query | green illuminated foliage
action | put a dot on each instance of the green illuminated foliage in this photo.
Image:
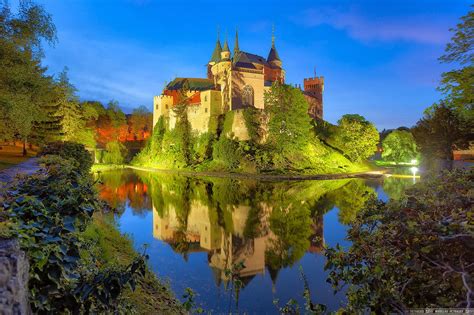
(399, 146)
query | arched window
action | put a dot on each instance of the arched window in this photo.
(247, 96)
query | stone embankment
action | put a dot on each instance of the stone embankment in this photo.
(13, 279)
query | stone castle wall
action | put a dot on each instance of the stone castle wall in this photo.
(13, 279)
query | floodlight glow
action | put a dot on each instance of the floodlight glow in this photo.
(414, 161)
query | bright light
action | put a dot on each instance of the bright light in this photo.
(414, 161)
(414, 170)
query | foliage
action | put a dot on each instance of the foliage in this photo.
(252, 122)
(140, 121)
(71, 151)
(25, 89)
(439, 131)
(115, 153)
(289, 122)
(226, 151)
(356, 137)
(457, 84)
(399, 146)
(413, 252)
(49, 209)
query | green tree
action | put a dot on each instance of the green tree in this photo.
(24, 87)
(457, 85)
(289, 123)
(439, 131)
(115, 153)
(356, 137)
(399, 146)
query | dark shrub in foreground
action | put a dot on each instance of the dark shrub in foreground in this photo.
(415, 252)
(72, 151)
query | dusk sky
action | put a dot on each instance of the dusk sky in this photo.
(378, 60)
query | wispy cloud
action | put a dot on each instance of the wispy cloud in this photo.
(421, 29)
(127, 72)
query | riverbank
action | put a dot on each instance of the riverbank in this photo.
(109, 275)
(151, 295)
(376, 173)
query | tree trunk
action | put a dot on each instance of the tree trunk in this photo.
(24, 147)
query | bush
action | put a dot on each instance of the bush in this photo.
(72, 151)
(49, 210)
(226, 151)
(410, 253)
(115, 153)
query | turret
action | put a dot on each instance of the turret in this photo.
(225, 54)
(216, 54)
(273, 57)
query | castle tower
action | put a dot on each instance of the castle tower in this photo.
(225, 54)
(273, 57)
(313, 90)
(215, 58)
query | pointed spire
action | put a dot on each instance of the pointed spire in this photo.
(273, 36)
(273, 54)
(216, 55)
(236, 46)
(226, 44)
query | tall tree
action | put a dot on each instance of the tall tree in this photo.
(458, 84)
(440, 131)
(23, 84)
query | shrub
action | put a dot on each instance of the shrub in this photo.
(70, 150)
(115, 153)
(410, 253)
(49, 210)
(226, 151)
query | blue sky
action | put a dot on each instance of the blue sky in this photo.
(379, 58)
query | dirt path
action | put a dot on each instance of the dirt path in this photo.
(27, 167)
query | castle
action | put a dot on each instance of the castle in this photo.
(234, 82)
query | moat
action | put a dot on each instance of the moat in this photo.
(199, 230)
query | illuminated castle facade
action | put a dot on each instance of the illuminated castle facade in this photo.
(234, 81)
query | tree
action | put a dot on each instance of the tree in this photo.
(439, 131)
(399, 146)
(356, 137)
(140, 122)
(457, 85)
(24, 87)
(289, 123)
(115, 153)
(410, 253)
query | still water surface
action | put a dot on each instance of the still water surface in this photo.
(267, 233)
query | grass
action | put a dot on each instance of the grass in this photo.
(105, 167)
(11, 155)
(151, 296)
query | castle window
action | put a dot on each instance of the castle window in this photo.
(166, 106)
(205, 98)
(247, 96)
(205, 110)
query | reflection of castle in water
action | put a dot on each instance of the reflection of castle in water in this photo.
(226, 248)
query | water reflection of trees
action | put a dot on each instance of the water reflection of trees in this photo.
(265, 226)
(119, 187)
